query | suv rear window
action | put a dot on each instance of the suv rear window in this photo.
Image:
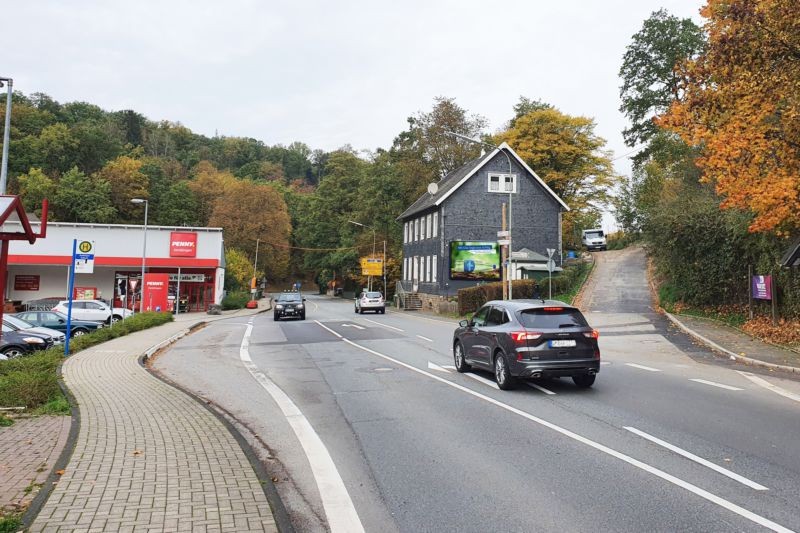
(555, 318)
(373, 295)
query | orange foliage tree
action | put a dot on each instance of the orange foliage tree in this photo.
(741, 107)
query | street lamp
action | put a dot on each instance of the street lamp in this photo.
(6, 134)
(383, 265)
(144, 249)
(510, 196)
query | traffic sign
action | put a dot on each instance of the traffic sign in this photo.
(550, 252)
(84, 258)
(551, 266)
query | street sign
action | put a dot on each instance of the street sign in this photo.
(551, 266)
(84, 258)
(503, 233)
(503, 242)
(550, 252)
(133, 282)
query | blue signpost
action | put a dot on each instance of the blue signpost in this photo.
(69, 296)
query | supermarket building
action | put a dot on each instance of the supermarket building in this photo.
(193, 258)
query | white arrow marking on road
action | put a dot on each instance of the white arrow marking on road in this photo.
(449, 367)
(434, 366)
(384, 325)
(353, 326)
(642, 367)
(714, 384)
(539, 387)
(696, 459)
(767, 385)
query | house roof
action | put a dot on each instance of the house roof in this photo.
(450, 183)
(792, 256)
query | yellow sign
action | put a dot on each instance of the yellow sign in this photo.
(85, 247)
(371, 266)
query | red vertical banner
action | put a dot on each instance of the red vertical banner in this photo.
(155, 292)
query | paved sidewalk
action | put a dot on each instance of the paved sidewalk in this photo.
(28, 451)
(738, 344)
(148, 457)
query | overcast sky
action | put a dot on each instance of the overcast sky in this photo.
(326, 73)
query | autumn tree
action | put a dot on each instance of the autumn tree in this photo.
(34, 187)
(741, 108)
(124, 175)
(208, 185)
(239, 269)
(248, 211)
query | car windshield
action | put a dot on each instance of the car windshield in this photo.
(372, 294)
(18, 322)
(291, 297)
(552, 318)
(594, 234)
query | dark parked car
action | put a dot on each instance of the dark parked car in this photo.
(290, 304)
(58, 321)
(528, 339)
(16, 323)
(15, 343)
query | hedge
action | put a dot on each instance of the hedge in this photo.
(472, 298)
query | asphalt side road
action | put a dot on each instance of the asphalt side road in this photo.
(367, 426)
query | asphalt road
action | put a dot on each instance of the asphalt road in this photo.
(366, 426)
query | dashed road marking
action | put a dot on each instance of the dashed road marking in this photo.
(642, 367)
(425, 338)
(714, 384)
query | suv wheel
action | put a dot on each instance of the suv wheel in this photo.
(502, 375)
(584, 381)
(79, 331)
(12, 352)
(113, 319)
(458, 358)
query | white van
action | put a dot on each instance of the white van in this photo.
(594, 239)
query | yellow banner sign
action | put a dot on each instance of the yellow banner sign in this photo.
(371, 266)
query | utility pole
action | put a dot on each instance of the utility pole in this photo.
(503, 256)
(6, 135)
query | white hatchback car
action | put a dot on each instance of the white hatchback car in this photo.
(94, 310)
(370, 301)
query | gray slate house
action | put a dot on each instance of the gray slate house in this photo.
(466, 205)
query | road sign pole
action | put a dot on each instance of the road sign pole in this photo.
(69, 296)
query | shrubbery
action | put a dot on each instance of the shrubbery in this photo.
(235, 300)
(565, 286)
(32, 382)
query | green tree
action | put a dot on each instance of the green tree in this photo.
(80, 198)
(57, 149)
(238, 269)
(127, 181)
(34, 187)
(178, 207)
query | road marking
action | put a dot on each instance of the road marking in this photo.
(482, 380)
(539, 387)
(449, 367)
(425, 338)
(384, 325)
(339, 508)
(605, 362)
(713, 498)
(329, 329)
(767, 385)
(434, 366)
(642, 367)
(353, 326)
(724, 471)
(714, 384)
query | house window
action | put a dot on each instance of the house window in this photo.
(503, 183)
(405, 232)
(405, 268)
(416, 229)
(428, 269)
(434, 267)
(435, 224)
(424, 228)
(422, 268)
(415, 273)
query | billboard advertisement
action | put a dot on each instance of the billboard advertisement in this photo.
(156, 292)
(182, 244)
(762, 287)
(475, 260)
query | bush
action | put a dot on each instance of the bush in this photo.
(235, 300)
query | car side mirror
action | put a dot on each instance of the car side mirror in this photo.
(60, 320)
(464, 323)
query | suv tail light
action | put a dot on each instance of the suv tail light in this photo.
(520, 337)
(594, 334)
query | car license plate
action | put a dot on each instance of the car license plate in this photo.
(562, 344)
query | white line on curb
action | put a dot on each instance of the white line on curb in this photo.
(339, 509)
(767, 385)
(539, 387)
(713, 498)
(383, 325)
(724, 471)
(642, 367)
(714, 384)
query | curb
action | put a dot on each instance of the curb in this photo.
(737, 357)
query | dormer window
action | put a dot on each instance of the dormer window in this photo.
(502, 183)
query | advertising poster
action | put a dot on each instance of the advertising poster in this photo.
(156, 292)
(470, 260)
(26, 282)
(182, 244)
(762, 287)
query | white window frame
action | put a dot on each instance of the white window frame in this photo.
(501, 180)
(415, 270)
(416, 229)
(435, 224)
(405, 268)
(428, 269)
(429, 226)
(434, 267)
(424, 230)
(422, 269)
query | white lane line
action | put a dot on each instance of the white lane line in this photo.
(434, 366)
(482, 380)
(383, 325)
(425, 338)
(539, 387)
(642, 367)
(329, 329)
(714, 384)
(339, 508)
(713, 498)
(767, 385)
(605, 362)
(724, 471)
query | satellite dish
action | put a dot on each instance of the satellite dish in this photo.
(433, 188)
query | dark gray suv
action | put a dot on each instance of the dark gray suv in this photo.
(528, 339)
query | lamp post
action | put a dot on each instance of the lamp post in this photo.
(510, 196)
(6, 134)
(383, 265)
(144, 249)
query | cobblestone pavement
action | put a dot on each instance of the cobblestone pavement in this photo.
(148, 457)
(28, 450)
